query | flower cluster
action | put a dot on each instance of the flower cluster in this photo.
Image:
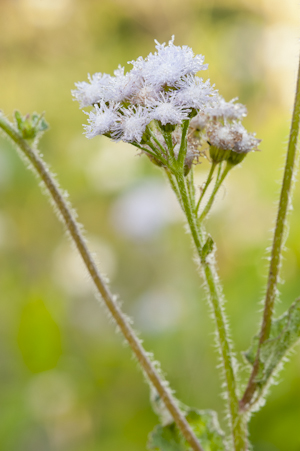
(220, 125)
(158, 95)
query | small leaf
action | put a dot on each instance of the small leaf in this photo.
(205, 426)
(284, 334)
(30, 127)
(208, 247)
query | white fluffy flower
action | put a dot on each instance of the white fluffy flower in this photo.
(101, 119)
(131, 124)
(145, 93)
(193, 92)
(121, 87)
(88, 94)
(200, 121)
(232, 137)
(170, 63)
(166, 111)
(229, 110)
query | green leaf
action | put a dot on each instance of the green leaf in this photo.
(285, 332)
(30, 127)
(207, 248)
(205, 426)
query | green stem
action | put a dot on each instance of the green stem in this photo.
(173, 186)
(209, 178)
(68, 218)
(183, 143)
(162, 149)
(153, 154)
(168, 140)
(278, 242)
(191, 187)
(237, 420)
(219, 182)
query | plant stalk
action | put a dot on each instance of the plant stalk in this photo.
(238, 423)
(218, 183)
(209, 178)
(278, 242)
(68, 218)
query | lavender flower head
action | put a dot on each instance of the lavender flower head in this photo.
(148, 105)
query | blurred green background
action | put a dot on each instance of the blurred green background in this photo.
(67, 383)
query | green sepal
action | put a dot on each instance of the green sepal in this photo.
(30, 126)
(168, 128)
(186, 169)
(154, 160)
(193, 113)
(205, 426)
(284, 334)
(236, 158)
(218, 155)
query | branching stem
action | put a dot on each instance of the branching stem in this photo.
(237, 420)
(73, 228)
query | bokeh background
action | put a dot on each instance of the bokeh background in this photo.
(67, 382)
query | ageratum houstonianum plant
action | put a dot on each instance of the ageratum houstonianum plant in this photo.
(175, 118)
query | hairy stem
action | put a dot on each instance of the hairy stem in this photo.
(278, 242)
(183, 143)
(153, 154)
(74, 230)
(218, 183)
(237, 420)
(209, 178)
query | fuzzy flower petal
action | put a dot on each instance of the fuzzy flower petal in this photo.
(121, 87)
(170, 63)
(193, 92)
(200, 121)
(145, 94)
(232, 137)
(131, 124)
(101, 119)
(88, 94)
(167, 112)
(229, 110)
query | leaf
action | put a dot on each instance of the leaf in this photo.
(284, 334)
(32, 126)
(207, 248)
(204, 424)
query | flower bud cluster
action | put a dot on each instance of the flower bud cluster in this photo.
(156, 97)
(220, 125)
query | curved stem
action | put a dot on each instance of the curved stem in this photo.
(237, 419)
(209, 178)
(68, 218)
(278, 242)
(219, 182)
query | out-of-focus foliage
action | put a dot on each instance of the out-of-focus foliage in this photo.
(285, 332)
(204, 424)
(66, 381)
